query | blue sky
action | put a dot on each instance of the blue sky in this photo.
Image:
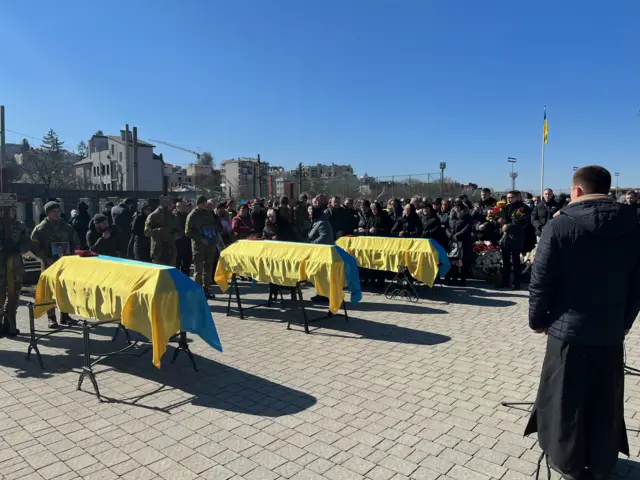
(391, 87)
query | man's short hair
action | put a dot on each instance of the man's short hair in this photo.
(592, 179)
(529, 196)
(486, 190)
(514, 193)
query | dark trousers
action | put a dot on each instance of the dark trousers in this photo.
(184, 256)
(511, 258)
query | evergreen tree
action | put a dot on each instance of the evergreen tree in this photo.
(206, 159)
(82, 149)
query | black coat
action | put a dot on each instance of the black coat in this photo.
(280, 230)
(122, 217)
(411, 226)
(432, 228)
(81, 225)
(103, 246)
(542, 213)
(141, 243)
(515, 236)
(341, 220)
(585, 280)
(444, 218)
(460, 231)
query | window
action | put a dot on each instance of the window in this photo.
(120, 155)
(107, 169)
(112, 149)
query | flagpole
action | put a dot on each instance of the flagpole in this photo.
(542, 170)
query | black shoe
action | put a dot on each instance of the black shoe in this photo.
(65, 319)
(516, 287)
(53, 323)
(13, 334)
(319, 298)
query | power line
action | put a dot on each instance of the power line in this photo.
(24, 135)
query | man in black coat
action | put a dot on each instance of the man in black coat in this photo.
(102, 238)
(340, 218)
(585, 294)
(122, 216)
(81, 223)
(544, 211)
(513, 231)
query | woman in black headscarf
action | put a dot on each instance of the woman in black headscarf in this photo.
(432, 227)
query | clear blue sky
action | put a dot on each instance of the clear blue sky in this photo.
(391, 87)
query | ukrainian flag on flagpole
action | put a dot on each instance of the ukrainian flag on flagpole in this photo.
(545, 127)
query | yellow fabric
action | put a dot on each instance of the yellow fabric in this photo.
(143, 296)
(285, 263)
(387, 254)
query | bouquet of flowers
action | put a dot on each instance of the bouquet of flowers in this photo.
(517, 215)
(488, 264)
(499, 211)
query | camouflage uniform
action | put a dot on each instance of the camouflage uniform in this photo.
(163, 228)
(47, 233)
(203, 250)
(12, 271)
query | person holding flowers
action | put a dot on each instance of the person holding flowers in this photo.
(513, 222)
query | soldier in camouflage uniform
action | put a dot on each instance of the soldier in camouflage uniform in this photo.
(200, 228)
(163, 228)
(12, 271)
(50, 240)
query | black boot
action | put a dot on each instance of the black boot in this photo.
(53, 323)
(65, 319)
(9, 326)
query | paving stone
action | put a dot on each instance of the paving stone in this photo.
(403, 391)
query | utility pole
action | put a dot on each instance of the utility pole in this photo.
(513, 174)
(2, 148)
(126, 156)
(617, 174)
(259, 178)
(135, 159)
(443, 167)
(299, 179)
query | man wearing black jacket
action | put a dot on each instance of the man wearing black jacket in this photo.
(122, 216)
(340, 219)
(544, 211)
(512, 239)
(585, 294)
(102, 238)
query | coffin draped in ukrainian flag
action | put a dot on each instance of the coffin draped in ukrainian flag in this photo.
(425, 258)
(154, 300)
(329, 268)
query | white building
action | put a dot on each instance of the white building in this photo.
(110, 166)
(243, 179)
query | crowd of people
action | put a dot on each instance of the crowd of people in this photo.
(182, 234)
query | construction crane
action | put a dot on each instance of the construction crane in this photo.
(177, 147)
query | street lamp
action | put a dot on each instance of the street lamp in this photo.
(617, 174)
(443, 166)
(513, 174)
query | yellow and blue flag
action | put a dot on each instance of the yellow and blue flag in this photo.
(545, 127)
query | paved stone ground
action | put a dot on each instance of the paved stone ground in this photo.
(401, 391)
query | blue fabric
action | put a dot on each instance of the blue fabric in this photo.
(443, 259)
(351, 275)
(195, 315)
